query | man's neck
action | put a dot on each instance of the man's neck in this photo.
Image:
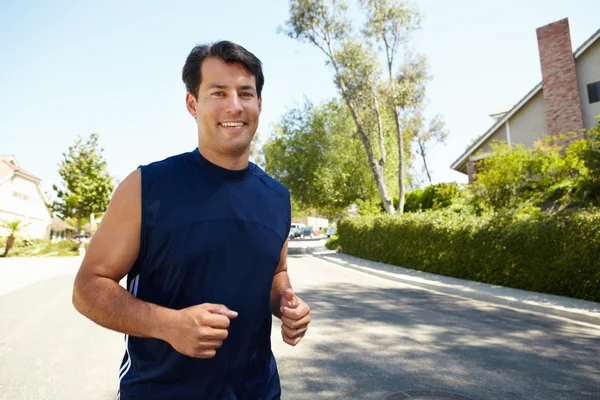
(231, 161)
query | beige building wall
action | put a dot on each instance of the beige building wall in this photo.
(525, 127)
(5, 171)
(529, 123)
(588, 71)
(20, 199)
(485, 147)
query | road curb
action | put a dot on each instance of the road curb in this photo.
(574, 309)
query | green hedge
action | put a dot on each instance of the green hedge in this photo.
(40, 247)
(557, 254)
(333, 243)
(433, 197)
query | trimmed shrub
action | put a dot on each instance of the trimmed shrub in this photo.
(333, 243)
(24, 247)
(433, 197)
(557, 254)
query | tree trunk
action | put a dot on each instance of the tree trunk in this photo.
(380, 130)
(375, 167)
(9, 244)
(401, 162)
(425, 162)
(78, 224)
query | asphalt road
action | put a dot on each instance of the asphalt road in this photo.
(370, 338)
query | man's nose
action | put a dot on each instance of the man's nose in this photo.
(233, 104)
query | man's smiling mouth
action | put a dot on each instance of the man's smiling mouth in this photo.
(232, 124)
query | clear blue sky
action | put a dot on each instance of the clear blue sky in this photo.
(114, 67)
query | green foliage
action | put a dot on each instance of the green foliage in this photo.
(550, 253)
(428, 138)
(86, 184)
(368, 92)
(14, 226)
(42, 248)
(560, 171)
(333, 243)
(257, 155)
(369, 207)
(315, 155)
(433, 197)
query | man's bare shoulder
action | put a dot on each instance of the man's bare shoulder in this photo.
(128, 193)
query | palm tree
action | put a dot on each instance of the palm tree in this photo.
(14, 227)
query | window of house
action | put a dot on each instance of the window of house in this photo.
(594, 92)
(20, 196)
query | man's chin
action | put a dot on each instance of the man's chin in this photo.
(237, 147)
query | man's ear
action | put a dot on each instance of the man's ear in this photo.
(260, 104)
(191, 104)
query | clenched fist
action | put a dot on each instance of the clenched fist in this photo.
(199, 331)
(295, 317)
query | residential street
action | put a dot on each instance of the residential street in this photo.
(370, 338)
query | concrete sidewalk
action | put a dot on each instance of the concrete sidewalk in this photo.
(574, 309)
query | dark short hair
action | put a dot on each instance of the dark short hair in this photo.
(227, 51)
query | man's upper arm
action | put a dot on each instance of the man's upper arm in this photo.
(114, 247)
(283, 258)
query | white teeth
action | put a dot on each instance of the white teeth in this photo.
(232, 124)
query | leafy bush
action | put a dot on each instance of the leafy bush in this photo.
(24, 247)
(333, 243)
(548, 253)
(433, 197)
(560, 171)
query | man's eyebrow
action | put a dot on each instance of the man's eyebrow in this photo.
(221, 86)
(217, 86)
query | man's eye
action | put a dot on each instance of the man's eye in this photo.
(219, 94)
(248, 94)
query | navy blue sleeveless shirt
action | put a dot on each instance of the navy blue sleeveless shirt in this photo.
(208, 235)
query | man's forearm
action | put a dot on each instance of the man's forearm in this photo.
(110, 305)
(281, 282)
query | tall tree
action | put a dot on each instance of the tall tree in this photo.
(86, 184)
(414, 76)
(257, 155)
(356, 72)
(313, 154)
(389, 23)
(429, 137)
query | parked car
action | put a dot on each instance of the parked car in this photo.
(330, 231)
(307, 231)
(295, 230)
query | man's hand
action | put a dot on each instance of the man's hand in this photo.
(295, 317)
(200, 330)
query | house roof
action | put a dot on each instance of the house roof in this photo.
(460, 163)
(59, 225)
(12, 163)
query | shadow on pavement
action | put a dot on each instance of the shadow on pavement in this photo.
(369, 344)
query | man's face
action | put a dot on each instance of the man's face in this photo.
(227, 108)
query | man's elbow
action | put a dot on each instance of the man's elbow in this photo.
(78, 297)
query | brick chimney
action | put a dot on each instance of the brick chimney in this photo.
(559, 76)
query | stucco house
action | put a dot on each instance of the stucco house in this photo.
(22, 198)
(567, 99)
